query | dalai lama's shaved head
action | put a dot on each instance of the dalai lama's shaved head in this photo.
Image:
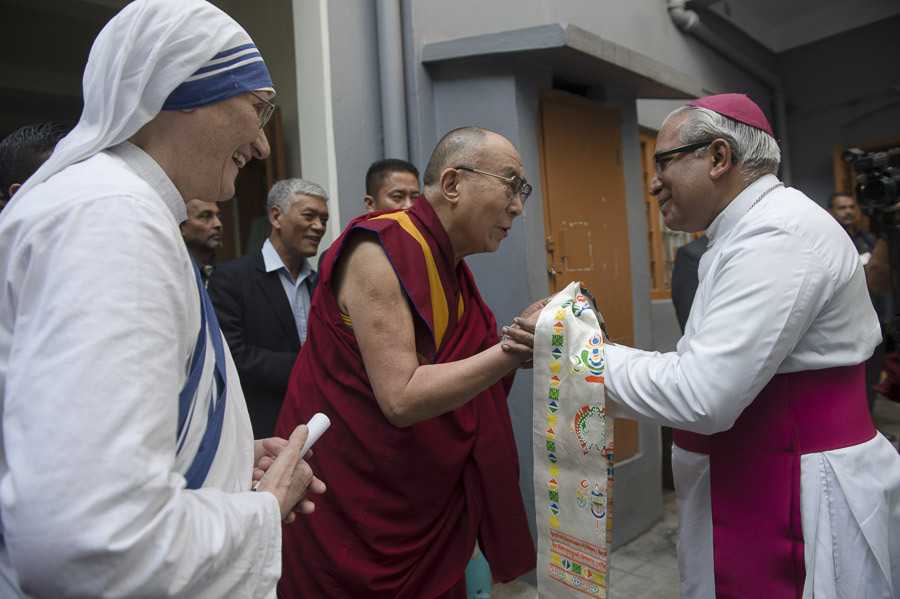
(460, 146)
(475, 182)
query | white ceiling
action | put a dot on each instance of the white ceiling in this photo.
(780, 25)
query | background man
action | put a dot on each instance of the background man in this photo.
(768, 384)
(22, 152)
(684, 277)
(391, 184)
(202, 233)
(404, 358)
(263, 299)
(127, 451)
(845, 210)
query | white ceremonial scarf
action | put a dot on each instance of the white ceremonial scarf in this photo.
(146, 51)
(573, 449)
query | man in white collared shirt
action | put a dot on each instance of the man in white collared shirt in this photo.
(263, 299)
(784, 487)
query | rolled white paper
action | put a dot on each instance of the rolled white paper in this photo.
(317, 425)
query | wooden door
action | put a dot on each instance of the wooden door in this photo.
(585, 217)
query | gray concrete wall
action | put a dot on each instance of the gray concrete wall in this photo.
(355, 99)
(639, 251)
(338, 100)
(311, 42)
(421, 127)
(640, 25)
(841, 91)
(652, 113)
(666, 331)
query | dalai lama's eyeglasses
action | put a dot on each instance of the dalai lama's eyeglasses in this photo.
(662, 159)
(265, 112)
(517, 185)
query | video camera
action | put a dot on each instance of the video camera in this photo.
(878, 195)
(877, 182)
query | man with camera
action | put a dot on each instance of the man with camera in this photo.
(845, 211)
(878, 190)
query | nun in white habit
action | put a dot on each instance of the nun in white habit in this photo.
(127, 452)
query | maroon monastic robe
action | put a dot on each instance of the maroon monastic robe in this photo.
(404, 505)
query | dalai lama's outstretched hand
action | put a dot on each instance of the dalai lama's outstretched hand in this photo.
(518, 338)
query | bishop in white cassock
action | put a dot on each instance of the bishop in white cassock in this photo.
(127, 452)
(785, 489)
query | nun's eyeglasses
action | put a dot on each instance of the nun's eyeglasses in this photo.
(264, 112)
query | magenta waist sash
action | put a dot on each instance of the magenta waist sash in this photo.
(754, 470)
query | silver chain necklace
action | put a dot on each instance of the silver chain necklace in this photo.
(764, 194)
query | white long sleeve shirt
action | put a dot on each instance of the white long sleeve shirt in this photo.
(98, 319)
(782, 289)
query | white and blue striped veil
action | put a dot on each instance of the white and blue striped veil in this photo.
(154, 55)
(238, 67)
(166, 55)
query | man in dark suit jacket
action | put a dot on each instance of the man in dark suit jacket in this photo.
(263, 299)
(684, 277)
